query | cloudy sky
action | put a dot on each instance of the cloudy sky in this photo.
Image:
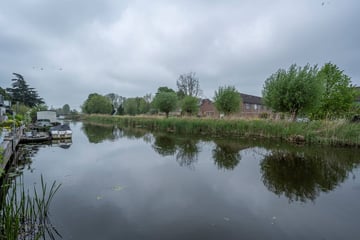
(67, 49)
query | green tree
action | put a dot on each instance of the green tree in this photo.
(66, 109)
(117, 102)
(165, 100)
(121, 110)
(20, 108)
(165, 89)
(227, 100)
(4, 94)
(130, 106)
(355, 109)
(142, 106)
(293, 91)
(147, 102)
(96, 103)
(338, 94)
(190, 105)
(22, 93)
(188, 85)
(137, 105)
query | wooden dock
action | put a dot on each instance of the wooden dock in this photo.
(9, 146)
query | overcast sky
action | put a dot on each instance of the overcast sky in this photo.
(67, 49)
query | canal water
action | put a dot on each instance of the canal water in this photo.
(132, 184)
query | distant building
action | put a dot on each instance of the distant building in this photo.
(46, 115)
(4, 107)
(252, 106)
(207, 109)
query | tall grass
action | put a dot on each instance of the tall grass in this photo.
(25, 216)
(338, 132)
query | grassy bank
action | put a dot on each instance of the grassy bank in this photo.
(25, 216)
(336, 133)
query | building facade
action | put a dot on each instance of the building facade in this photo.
(208, 109)
(251, 107)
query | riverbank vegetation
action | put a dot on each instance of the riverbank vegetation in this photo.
(334, 133)
(25, 216)
(317, 94)
(299, 91)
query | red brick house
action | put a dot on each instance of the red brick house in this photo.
(252, 106)
(207, 109)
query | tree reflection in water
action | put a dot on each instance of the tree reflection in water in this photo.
(303, 175)
(24, 155)
(226, 154)
(186, 150)
(164, 145)
(97, 133)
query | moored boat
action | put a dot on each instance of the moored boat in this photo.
(35, 137)
(61, 132)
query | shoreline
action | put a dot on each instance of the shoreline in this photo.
(330, 133)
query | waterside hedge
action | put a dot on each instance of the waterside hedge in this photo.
(335, 133)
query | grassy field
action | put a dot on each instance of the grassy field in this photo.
(334, 133)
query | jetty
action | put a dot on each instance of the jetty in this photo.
(9, 145)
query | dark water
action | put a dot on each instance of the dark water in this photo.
(122, 184)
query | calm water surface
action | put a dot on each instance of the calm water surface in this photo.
(122, 184)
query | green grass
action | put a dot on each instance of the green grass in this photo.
(25, 216)
(335, 133)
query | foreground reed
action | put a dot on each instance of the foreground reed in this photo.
(335, 133)
(24, 216)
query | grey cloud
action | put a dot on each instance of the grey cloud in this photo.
(133, 47)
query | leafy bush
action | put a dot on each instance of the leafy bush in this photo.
(9, 123)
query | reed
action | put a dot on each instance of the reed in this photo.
(337, 132)
(25, 216)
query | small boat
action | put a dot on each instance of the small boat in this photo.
(35, 137)
(61, 132)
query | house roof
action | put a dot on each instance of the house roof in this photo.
(205, 100)
(251, 99)
(246, 98)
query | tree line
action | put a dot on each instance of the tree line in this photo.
(187, 98)
(325, 93)
(307, 91)
(165, 100)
